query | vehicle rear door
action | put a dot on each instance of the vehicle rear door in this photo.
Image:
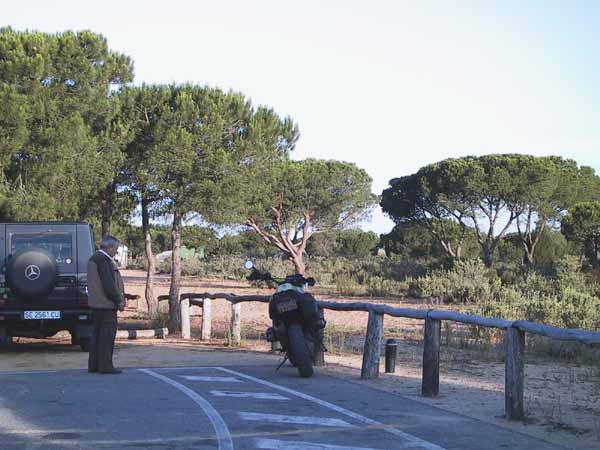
(60, 241)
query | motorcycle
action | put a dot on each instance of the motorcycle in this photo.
(298, 324)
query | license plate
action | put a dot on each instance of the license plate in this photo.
(37, 315)
(289, 305)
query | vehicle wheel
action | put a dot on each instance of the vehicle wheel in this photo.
(85, 345)
(299, 351)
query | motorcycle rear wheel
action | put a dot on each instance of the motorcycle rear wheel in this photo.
(299, 350)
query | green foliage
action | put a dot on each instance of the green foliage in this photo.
(355, 243)
(306, 197)
(337, 194)
(198, 237)
(347, 285)
(58, 137)
(383, 287)
(467, 282)
(349, 243)
(569, 275)
(565, 300)
(488, 193)
(246, 243)
(582, 225)
(411, 239)
(201, 150)
(551, 247)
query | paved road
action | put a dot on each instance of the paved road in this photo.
(249, 407)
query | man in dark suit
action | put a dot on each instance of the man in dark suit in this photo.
(106, 295)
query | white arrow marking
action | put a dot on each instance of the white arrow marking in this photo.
(257, 395)
(273, 444)
(302, 420)
(211, 379)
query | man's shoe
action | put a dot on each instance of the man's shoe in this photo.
(93, 370)
(111, 371)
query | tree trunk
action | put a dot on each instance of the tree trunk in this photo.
(174, 307)
(106, 199)
(590, 250)
(528, 255)
(530, 240)
(151, 299)
(298, 262)
(488, 254)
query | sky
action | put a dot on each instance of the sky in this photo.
(388, 85)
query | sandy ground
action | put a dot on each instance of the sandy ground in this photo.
(562, 400)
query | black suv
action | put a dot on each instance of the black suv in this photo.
(43, 280)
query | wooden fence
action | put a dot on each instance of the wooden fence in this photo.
(514, 342)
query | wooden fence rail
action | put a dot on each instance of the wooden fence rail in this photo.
(514, 342)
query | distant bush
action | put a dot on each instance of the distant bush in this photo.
(139, 263)
(564, 297)
(346, 284)
(467, 282)
(383, 287)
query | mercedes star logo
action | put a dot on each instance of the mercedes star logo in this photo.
(32, 272)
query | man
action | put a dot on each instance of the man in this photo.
(106, 294)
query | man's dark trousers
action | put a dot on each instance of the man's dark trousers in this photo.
(103, 340)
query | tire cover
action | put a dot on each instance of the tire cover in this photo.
(31, 273)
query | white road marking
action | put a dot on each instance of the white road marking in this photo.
(211, 379)
(415, 442)
(223, 435)
(256, 395)
(273, 444)
(301, 420)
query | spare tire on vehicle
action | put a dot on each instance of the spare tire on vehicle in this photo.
(31, 273)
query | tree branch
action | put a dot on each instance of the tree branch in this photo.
(269, 238)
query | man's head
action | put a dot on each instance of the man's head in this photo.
(110, 244)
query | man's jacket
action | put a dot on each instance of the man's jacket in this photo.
(105, 285)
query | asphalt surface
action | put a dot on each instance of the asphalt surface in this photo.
(241, 407)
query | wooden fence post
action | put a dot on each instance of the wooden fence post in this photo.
(430, 386)
(372, 350)
(206, 319)
(185, 319)
(236, 323)
(514, 379)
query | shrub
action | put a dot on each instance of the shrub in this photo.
(346, 284)
(139, 263)
(467, 282)
(569, 274)
(382, 287)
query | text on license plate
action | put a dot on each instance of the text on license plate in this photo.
(286, 306)
(37, 315)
